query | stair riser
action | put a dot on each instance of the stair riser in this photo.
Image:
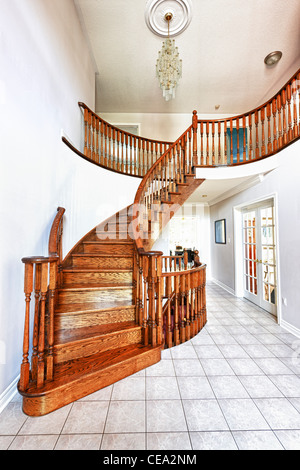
(102, 262)
(91, 346)
(82, 296)
(114, 249)
(112, 236)
(101, 278)
(101, 317)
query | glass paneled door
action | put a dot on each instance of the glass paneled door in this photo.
(260, 284)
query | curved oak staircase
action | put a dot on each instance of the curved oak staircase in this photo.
(111, 305)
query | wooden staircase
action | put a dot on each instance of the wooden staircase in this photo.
(98, 312)
(97, 340)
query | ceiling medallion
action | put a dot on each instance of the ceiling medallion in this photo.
(155, 16)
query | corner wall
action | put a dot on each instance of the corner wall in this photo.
(284, 182)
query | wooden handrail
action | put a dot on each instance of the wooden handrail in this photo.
(254, 135)
(41, 279)
(112, 148)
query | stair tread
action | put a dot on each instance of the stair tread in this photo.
(90, 332)
(76, 369)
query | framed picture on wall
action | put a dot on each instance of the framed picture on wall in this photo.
(220, 231)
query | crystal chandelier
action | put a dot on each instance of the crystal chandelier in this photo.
(168, 65)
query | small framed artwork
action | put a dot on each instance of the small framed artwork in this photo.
(220, 231)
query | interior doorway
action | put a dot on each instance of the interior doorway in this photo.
(259, 255)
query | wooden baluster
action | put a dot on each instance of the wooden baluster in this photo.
(195, 128)
(262, 118)
(187, 301)
(122, 153)
(225, 143)
(185, 259)
(151, 154)
(25, 367)
(113, 148)
(52, 287)
(140, 306)
(219, 143)
(145, 301)
(200, 287)
(109, 150)
(182, 308)
(202, 151)
(89, 152)
(93, 127)
(256, 135)
(189, 167)
(244, 139)
(151, 296)
(135, 168)
(176, 312)
(294, 94)
(86, 124)
(102, 144)
(143, 159)
(97, 141)
(37, 293)
(139, 158)
(290, 129)
(207, 143)
(200, 299)
(283, 102)
(41, 343)
(280, 138)
(238, 141)
(213, 144)
(169, 339)
(126, 163)
(231, 142)
(269, 128)
(274, 110)
(250, 138)
(192, 314)
(158, 309)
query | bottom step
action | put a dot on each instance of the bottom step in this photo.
(78, 378)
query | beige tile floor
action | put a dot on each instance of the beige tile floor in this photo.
(236, 385)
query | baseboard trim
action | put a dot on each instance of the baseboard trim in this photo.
(8, 394)
(220, 284)
(290, 328)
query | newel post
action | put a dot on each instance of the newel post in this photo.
(195, 128)
(25, 367)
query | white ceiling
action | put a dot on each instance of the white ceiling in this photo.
(222, 51)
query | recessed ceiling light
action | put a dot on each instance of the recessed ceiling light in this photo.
(204, 195)
(273, 58)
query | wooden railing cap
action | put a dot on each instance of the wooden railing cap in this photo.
(39, 259)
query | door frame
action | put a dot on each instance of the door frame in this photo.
(238, 247)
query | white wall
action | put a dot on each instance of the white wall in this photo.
(284, 183)
(45, 70)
